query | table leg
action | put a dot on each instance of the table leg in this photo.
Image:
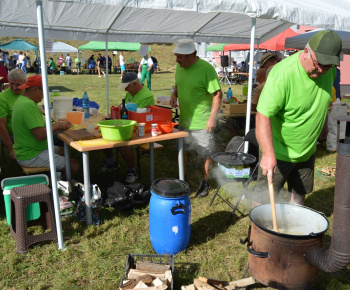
(151, 157)
(87, 188)
(67, 158)
(181, 159)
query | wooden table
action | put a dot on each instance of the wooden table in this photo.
(85, 146)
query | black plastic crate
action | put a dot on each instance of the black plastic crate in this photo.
(157, 259)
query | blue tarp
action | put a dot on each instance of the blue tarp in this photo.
(79, 103)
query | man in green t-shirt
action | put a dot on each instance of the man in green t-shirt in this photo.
(291, 112)
(52, 65)
(140, 95)
(198, 90)
(77, 63)
(8, 97)
(30, 132)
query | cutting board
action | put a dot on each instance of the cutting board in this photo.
(82, 134)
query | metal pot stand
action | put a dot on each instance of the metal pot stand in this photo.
(237, 159)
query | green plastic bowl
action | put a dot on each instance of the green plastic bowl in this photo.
(117, 130)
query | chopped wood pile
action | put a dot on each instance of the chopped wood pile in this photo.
(150, 276)
(203, 283)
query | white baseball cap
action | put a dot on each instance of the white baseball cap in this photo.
(184, 46)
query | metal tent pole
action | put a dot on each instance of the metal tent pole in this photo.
(48, 123)
(250, 81)
(107, 87)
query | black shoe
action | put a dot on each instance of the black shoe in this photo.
(203, 189)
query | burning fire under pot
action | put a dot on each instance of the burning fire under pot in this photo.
(291, 258)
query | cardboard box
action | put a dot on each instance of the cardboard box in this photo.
(155, 116)
(234, 108)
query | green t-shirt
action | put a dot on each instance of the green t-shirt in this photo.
(142, 99)
(52, 64)
(195, 88)
(297, 106)
(7, 100)
(27, 116)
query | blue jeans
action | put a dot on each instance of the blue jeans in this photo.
(24, 67)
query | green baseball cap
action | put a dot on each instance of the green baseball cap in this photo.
(327, 45)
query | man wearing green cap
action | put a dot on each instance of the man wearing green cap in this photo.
(291, 112)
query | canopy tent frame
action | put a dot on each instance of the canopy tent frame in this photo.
(258, 10)
(49, 131)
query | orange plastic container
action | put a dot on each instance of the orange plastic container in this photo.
(166, 127)
(75, 117)
(156, 115)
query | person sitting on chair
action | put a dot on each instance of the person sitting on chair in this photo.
(52, 66)
(8, 97)
(140, 95)
(30, 145)
(91, 65)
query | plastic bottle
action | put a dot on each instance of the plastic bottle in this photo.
(86, 106)
(123, 111)
(229, 94)
(172, 90)
(115, 112)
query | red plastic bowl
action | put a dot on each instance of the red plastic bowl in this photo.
(166, 127)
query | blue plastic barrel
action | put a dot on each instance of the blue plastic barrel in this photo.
(169, 216)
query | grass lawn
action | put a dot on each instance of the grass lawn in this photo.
(95, 256)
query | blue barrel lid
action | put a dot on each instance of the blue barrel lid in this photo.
(170, 187)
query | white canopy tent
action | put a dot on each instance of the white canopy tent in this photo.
(62, 47)
(162, 21)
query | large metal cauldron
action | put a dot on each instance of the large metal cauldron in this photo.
(278, 259)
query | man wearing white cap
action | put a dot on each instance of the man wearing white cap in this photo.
(198, 89)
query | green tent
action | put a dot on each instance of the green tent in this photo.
(216, 47)
(101, 45)
(19, 44)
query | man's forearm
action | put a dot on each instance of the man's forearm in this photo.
(5, 137)
(216, 104)
(263, 133)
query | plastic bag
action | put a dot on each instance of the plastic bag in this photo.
(118, 196)
(79, 103)
(126, 196)
(95, 209)
(78, 194)
(139, 75)
(66, 207)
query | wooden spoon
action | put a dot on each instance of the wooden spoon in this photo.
(273, 207)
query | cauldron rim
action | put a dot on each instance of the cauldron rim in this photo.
(288, 236)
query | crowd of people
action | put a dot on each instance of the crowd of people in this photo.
(17, 60)
(22, 61)
(291, 103)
